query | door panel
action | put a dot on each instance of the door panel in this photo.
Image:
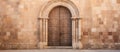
(65, 27)
(53, 28)
(60, 27)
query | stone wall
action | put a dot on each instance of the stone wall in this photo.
(99, 23)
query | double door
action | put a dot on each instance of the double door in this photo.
(60, 27)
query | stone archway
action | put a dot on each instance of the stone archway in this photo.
(76, 22)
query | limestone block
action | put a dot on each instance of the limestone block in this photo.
(96, 2)
(118, 1)
(80, 45)
(93, 30)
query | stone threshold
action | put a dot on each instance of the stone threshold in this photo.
(59, 47)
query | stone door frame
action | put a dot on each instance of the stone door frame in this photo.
(44, 17)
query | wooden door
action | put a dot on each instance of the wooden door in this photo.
(60, 27)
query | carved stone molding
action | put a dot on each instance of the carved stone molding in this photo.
(76, 22)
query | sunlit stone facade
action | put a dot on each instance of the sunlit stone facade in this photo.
(24, 23)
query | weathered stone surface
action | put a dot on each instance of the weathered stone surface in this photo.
(19, 23)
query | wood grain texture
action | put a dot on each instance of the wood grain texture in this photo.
(60, 29)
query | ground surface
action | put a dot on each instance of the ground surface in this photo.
(59, 50)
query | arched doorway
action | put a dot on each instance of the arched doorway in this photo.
(60, 27)
(44, 18)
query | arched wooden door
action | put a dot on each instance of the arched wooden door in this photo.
(60, 27)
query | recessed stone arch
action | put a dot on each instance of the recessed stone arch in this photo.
(76, 22)
(51, 4)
